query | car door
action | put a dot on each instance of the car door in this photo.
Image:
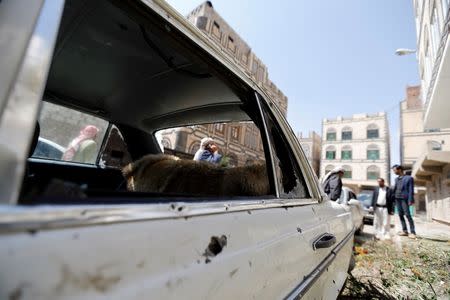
(331, 264)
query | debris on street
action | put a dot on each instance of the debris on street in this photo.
(399, 269)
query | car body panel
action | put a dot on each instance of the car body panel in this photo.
(164, 257)
(354, 207)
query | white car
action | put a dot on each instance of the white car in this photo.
(79, 231)
(349, 200)
(48, 149)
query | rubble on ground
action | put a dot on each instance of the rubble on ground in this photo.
(399, 269)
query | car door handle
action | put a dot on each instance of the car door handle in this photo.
(326, 240)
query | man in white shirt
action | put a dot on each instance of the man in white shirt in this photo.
(382, 203)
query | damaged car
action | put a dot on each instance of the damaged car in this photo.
(117, 216)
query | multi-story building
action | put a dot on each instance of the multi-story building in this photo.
(360, 144)
(426, 154)
(312, 146)
(223, 35)
(240, 143)
(433, 53)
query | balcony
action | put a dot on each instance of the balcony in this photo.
(437, 104)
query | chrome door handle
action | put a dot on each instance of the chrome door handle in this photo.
(326, 240)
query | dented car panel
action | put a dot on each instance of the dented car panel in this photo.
(264, 252)
(260, 247)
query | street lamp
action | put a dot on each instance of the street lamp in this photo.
(403, 51)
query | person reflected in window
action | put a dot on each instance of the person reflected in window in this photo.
(332, 183)
(208, 151)
(83, 148)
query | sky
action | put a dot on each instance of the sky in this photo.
(330, 58)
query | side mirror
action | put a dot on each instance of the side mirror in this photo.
(353, 202)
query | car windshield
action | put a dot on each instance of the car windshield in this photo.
(365, 199)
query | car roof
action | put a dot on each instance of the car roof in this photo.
(124, 62)
(51, 143)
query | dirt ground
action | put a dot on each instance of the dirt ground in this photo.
(400, 268)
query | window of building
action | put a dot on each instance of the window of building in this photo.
(235, 132)
(254, 67)
(346, 152)
(216, 30)
(330, 152)
(331, 134)
(372, 132)
(328, 169)
(373, 173)
(435, 146)
(231, 45)
(373, 152)
(346, 133)
(219, 128)
(347, 172)
(245, 58)
(435, 31)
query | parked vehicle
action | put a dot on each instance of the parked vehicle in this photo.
(365, 199)
(349, 200)
(72, 230)
(48, 149)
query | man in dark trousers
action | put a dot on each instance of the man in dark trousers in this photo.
(383, 206)
(404, 197)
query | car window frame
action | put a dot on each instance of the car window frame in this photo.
(100, 147)
(302, 166)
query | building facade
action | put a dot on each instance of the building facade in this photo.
(425, 154)
(240, 143)
(222, 34)
(433, 53)
(359, 144)
(312, 146)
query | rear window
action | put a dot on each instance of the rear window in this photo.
(69, 135)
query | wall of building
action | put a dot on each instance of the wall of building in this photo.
(222, 34)
(414, 138)
(312, 146)
(438, 196)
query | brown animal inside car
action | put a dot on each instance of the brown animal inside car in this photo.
(169, 174)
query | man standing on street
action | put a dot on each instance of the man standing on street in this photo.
(383, 205)
(404, 198)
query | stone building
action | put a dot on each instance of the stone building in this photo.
(239, 142)
(433, 53)
(426, 154)
(222, 34)
(360, 144)
(312, 146)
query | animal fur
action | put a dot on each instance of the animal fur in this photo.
(169, 174)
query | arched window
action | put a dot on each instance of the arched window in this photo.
(330, 152)
(233, 161)
(331, 134)
(166, 143)
(347, 172)
(306, 149)
(328, 169)
(373, 152)
(373, 131)
(347, 133)
(435, 146)
(346, 152)
(194, 147)
(373, 173)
